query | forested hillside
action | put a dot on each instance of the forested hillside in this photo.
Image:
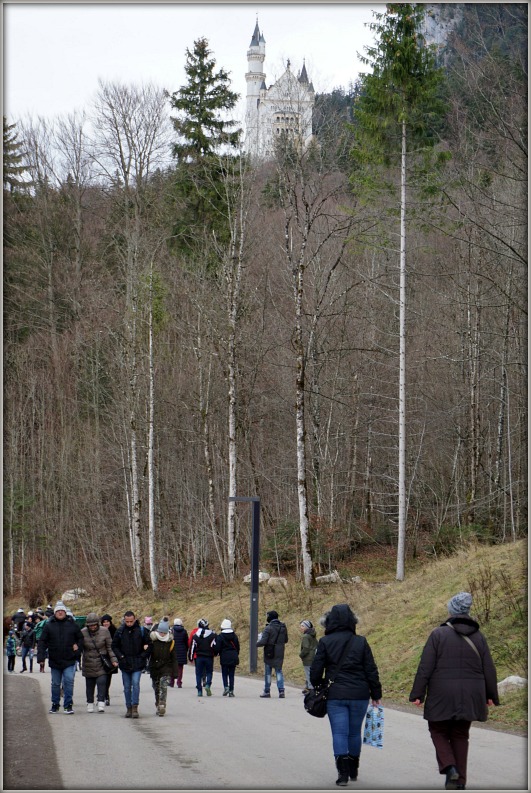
(182, 325)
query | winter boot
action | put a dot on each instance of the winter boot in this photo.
(134, 714)
(353, 763)
(231, 693)
(162, 709)
(129, 713)
(452, 776)
(281, 694)
(342, 767)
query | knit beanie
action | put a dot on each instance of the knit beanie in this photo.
(163, 627)
(92, 619)
(226, 625)
(202, 623)
(272, 615)
(59, 606)
(105, 618)
(306, 624)
(460, 604)
(177, 621)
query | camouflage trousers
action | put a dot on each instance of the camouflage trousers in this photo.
(160, 687)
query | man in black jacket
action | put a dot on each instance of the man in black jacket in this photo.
(273, 639)
(132, 646)
(63, 640)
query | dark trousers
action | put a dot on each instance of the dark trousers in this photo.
(450, 739)
(11, 663)
(227, 675)
(99, 683)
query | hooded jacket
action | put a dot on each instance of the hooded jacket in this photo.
(275, 633)
(128, 646)
(163, 659)
(228, 648)
(95, 643)
(59, 637)
(454, 681)
(358, 676)
(203, 644)
(308, 646)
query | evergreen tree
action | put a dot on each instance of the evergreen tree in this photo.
(13, 159)
(201, 103)
(396, 114)
(204, 135)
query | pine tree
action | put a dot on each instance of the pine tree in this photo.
(396, 117)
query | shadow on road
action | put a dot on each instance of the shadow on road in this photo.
(24, 715)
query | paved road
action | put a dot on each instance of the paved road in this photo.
(216, 743)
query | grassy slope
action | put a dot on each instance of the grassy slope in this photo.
(396, 617)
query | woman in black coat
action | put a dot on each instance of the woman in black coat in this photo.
(180, 637)
(457, 677)
(353, 685)
(106, 622)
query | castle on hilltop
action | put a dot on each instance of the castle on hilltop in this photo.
(286, 107)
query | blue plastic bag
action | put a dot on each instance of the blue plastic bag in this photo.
(374, 727)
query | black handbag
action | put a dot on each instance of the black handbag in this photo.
(106, 662)
(315, 701)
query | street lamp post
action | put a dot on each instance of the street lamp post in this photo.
(255, 556)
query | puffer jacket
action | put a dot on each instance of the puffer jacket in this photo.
(128, 646)
(59, 638)
(95, 643)
(228, 648)
(308, 646)
(454, 681)
(276, 633)
(180, 635)
(358, 676)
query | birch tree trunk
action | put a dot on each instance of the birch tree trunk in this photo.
(151, 443)
(402, 499)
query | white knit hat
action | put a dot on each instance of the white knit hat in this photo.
(177, 621)
(226, 625)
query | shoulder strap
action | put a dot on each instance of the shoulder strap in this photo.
(469, 641)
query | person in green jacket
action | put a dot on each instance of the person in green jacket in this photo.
(307, 652)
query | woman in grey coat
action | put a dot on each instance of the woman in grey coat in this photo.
(457, 678)
(97, 640)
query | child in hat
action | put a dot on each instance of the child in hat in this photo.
(163, 663)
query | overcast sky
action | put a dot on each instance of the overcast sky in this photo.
(54, 53)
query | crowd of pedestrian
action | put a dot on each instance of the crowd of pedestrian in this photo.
(455, 680)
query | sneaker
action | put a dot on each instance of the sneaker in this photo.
(107, 702)
(265, 695)
(199, 693)
(101, 707)
(281, 695)
(90, 707)
(54, 708)
(68, 709)
(209, 692)
(231, 693)
(161, 710)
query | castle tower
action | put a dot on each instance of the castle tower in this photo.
(283, 109)
(255, 79)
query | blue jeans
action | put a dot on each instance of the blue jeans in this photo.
(65, 678)
(267, 677)
(204, 667)
(131, 681)
(25, 652)
(346, 719)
